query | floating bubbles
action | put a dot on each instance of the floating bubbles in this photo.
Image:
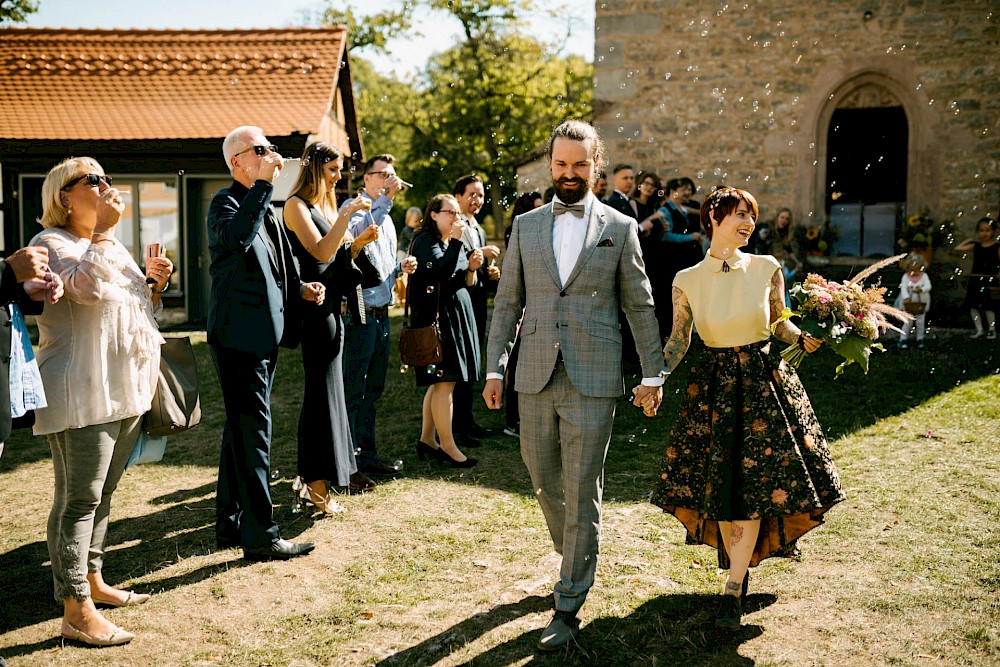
(275, 474)
(180, 173)
(235, 80)
(432, 369)
(403, 368)
(398, 464)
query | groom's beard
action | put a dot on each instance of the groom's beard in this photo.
(572, 196)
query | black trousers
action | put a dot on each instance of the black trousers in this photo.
(243, 507)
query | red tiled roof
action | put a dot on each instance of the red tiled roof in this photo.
(166, 84)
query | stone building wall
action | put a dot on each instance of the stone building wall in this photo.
(741, 93)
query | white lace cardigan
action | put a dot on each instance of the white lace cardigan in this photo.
(99, 346)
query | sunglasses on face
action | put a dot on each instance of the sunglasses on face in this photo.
(259, 151)
(93, 180)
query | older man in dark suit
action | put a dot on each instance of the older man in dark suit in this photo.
(252, 310)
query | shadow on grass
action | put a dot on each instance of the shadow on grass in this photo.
(26, 579)
(667, 630)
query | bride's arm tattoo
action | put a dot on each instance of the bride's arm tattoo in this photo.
(785, 331)
(680, 337)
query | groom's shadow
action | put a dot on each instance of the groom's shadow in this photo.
(670, 630)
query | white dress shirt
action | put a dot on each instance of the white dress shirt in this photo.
(568, 234)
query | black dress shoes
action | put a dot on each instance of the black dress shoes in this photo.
(361, 482)
(466, 441)
(730, 612)
(278, 550)
(227, 542)
(380, 469)
(560, 631)
(478, 431)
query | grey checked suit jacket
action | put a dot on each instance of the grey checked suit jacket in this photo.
(579, 319)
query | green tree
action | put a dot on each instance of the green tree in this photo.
(16, 11)
(493, 98)
(372, 31)
(477, 107)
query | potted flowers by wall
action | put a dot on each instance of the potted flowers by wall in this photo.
(920, 233)
(816, 241)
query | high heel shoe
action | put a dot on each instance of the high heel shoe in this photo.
(425, 451)
(323, 504)
(445, 457)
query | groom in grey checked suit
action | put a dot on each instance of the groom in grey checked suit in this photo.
(570, 265)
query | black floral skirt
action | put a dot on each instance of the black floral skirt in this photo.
(746, 445)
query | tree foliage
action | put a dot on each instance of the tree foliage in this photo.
(372, 31)
(479, 106)
(16, 11)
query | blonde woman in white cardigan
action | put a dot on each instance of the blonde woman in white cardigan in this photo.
(99, 351)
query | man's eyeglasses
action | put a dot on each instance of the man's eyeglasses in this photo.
(259, 151)
(383, 174)
(93, 180)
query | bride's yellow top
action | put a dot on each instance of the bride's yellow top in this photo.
(731, 307)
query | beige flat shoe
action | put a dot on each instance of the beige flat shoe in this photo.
(117, 638)
(131, 600)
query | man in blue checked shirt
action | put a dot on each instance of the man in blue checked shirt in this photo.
(366, 344)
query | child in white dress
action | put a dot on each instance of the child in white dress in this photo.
(915, 298)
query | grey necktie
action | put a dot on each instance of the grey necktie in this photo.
(558, 208)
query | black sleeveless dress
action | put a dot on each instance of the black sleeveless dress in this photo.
(325, 448)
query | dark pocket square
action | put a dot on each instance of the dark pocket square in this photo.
(606, 243)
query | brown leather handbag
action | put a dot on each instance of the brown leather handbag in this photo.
(420, 346)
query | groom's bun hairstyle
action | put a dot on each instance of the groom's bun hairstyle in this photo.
(577, 130)
(721, 203)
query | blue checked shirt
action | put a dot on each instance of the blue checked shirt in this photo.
(382, 252)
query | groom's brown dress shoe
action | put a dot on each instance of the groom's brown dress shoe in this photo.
(278, 550)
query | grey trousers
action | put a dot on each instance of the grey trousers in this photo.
(564, 441)
(88, 463)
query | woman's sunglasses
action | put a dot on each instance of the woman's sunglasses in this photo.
(93, 180)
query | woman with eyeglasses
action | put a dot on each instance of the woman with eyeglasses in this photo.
(99, 353)
(326, 253)
(439, 289)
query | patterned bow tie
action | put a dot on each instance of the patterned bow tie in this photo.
(558, 208)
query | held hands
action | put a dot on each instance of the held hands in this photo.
(30, 262)
(490, 251)
(647, 398)
(457, 229)
(159, 269)
(476, 259)
(492, 393)
(315, 292)
(409, 264)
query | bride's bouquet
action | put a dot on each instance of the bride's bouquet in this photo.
(847, 316)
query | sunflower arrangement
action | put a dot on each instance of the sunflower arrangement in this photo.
(816, 240)
(920, 231)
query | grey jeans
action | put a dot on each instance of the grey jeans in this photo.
(88, 463)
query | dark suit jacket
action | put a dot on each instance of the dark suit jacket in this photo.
(254, 304)
(10, 292)
(620, 204)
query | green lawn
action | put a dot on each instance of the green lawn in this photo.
(455, 567)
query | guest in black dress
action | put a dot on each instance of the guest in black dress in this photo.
(438, 289)
(326, 253)
(985, 276)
